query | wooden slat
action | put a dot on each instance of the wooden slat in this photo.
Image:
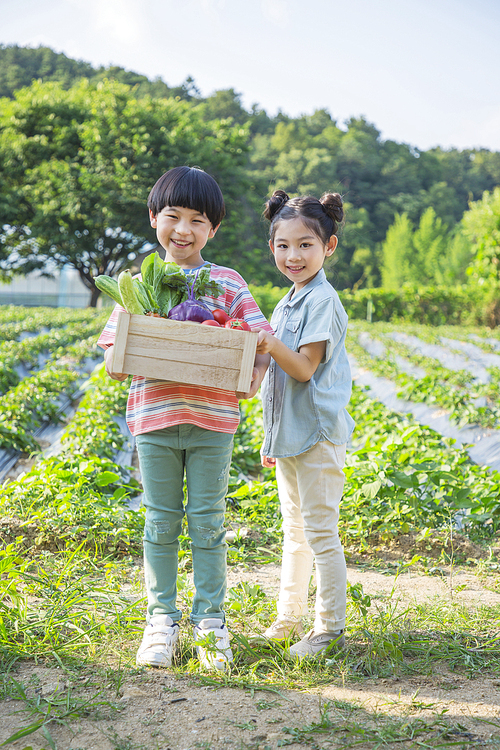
(247, 362)
(183, 331)
(179, 372)
(168, 349)
(122, 327)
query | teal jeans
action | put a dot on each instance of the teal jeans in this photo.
(204, 457)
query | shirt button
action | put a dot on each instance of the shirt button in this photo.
(270, 429)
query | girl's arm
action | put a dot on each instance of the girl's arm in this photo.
(299, 365)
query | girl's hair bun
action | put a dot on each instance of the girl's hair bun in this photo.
(275, 204)
(333, 206)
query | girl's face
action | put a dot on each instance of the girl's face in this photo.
(299, 253)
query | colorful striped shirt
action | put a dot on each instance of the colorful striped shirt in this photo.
(156, 404)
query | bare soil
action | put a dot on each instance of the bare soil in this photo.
(161, 709)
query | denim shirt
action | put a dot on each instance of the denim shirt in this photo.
(299, 415)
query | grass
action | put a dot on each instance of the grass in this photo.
(80, 610)
(88, 624)
(348, 725)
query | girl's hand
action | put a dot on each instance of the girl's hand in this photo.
(268, 462)
(265, 342)
(108, 358)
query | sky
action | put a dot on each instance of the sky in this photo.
(424, 72)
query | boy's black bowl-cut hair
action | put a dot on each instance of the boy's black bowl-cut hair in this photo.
(188, 187)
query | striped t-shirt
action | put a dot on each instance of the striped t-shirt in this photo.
(156, 404)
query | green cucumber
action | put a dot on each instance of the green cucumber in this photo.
(110, 287)
(128, 293)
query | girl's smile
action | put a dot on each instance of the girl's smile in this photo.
(299, 253)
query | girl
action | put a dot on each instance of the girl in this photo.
(305, 393)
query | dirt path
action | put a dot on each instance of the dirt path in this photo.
(161, 710)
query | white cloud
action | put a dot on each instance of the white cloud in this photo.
(120, 20)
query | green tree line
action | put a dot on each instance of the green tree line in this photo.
(80, 147)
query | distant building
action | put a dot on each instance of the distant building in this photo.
(64, 290)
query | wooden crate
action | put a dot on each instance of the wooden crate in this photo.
(184, 352)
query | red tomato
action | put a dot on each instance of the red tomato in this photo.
(220, 316)
(210, 323)
(238, 324)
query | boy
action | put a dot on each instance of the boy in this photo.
(187, 429)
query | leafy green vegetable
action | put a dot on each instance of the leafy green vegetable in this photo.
(162, 286)
(203, 285)
(142, 295)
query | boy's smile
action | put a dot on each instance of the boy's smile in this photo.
(183, 233)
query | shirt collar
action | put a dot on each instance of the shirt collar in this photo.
(290, 300)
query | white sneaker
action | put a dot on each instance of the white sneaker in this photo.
(159, 642)
(212, 643)
(284, 628)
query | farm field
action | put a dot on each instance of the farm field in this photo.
(420, 522)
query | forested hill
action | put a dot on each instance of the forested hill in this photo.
(419, 196)
(19, 66)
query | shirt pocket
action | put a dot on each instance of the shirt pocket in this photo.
(292, 333)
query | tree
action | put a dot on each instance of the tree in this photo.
(459, 256)
(397, 253)
(429, 254)
(481, 224)
(429, 242)
(77, 166)
(223, 104)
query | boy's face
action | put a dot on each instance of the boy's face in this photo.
(183, 233)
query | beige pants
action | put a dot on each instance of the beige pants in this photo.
(310, 489)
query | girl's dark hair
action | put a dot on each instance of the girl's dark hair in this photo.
(323, 216)
(188, 187)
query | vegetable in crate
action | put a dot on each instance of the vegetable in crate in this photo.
(237, 324)
(130, 298)
(192, 309)
(220, 316)
(162, 287)
(109, 286)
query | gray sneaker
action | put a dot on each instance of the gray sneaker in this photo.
(284, 628)
(314, 644)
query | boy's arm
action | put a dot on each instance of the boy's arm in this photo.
(259, 370)
(299, 365)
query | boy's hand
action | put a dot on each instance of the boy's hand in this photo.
(108, 358)
(260, 366)
(254, 385)
(268, 462)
